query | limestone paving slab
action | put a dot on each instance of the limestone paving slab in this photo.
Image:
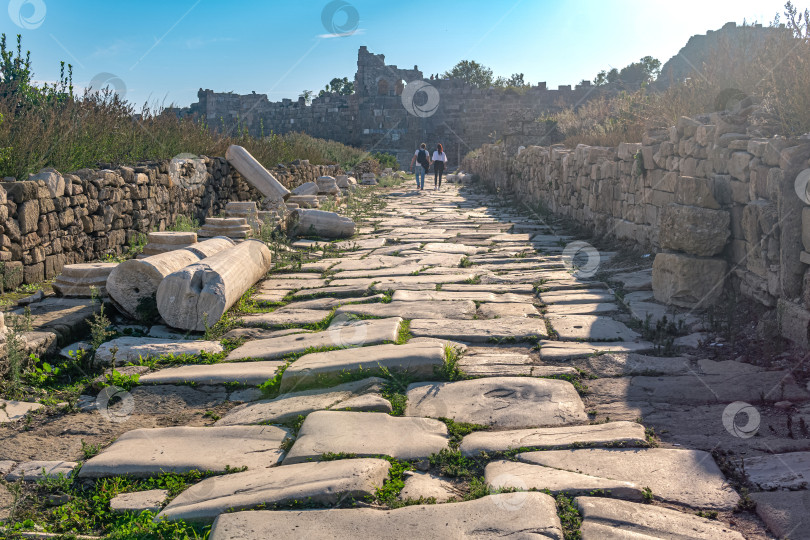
(426, 486)
(446, 295)
(294, 404)
(452, 248)
(324, 483)
(418, 360)
(786, 513)
(627, 433)
(565, 350)
(610, 519)
(133, 349)
(591, 328)
(285, 317)
(139, 501)
(451, 260)
(31, 471)
(697, 388)
(333, 291)
(365, 403)
(583, 296)
(149, 452)
(367, 434)
(582, 309)
(688, 477)
(402, 270)
(501, 402)
(480, 331)
(290, 284)
(492, 516)
(330, 303)
(497, 288)
(452, 309)
(354, 334)
(246, 373)
(779, 471)
(508, 364)
(507, 309)
(504, 474)
(12, 410)
(623, 364)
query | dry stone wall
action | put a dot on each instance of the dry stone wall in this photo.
(717, 200)
(51, 219)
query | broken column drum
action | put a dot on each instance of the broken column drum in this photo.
(136, 281)
(163, 241)
(197, 296)
(303, 222)
(255, 173)
(84, 279)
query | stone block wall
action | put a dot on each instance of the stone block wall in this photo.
(717, 201)
(51, 219)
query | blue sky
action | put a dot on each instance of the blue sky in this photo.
(164, 51)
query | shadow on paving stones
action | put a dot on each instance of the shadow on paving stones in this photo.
(60, 436)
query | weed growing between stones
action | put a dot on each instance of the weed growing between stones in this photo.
(388, 494)
(121, 380)
(458, 430)
(451, 463)
(450, 370)
(185, 224)
(89, 450)
(465, 262)
(86, 507)
(662, 334)
(569, 515)
(404, 334)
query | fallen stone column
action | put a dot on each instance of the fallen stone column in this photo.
(255, 174)
(302, 222)
(133, 283)
(199, 294)
(307, 188)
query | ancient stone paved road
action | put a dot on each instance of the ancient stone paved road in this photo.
(465, 275)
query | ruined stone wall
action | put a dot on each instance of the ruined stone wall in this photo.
(377, 119)
(718, 203)
(54, 219)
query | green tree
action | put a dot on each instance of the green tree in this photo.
(515, 81)
(343, 86)
(307, 95)
(472, 73)
(601, 78)
(613, 75)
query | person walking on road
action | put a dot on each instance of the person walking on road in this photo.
(422, 159)
(439, 162)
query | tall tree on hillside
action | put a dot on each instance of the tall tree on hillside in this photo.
(472, 73)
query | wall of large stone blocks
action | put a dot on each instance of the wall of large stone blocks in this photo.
(719, 204)
(52, 219)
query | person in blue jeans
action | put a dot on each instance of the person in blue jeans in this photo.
(422, 160)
